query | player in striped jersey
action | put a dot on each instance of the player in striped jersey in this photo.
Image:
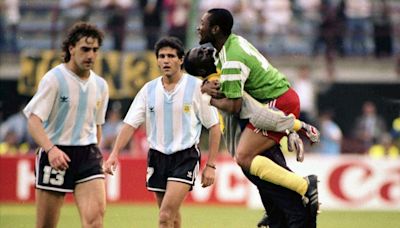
(174, 111)
(64, 118)
(243, 68)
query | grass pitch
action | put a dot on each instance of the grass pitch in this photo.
(145, 215)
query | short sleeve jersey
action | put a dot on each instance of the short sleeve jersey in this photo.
(244, 68)
(69, 107)
(173, 119)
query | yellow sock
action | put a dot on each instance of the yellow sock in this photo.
(269, 171)
(297, 125)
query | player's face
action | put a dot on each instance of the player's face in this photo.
(169, 62)
(203, 56)
(84, 53)
(204, 30)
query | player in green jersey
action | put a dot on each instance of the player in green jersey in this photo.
(243, 68)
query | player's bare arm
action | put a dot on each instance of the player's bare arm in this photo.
(57, 158)
(214, 138)
(123, 138)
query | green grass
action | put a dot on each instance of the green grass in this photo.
(134, 215)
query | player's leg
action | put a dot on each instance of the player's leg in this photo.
(172, 177)
(251, 145)
(89, 192)
(170, 204)
(48, 207)
(49, 203)
(159, 197)
(285, 207)
(90, 199)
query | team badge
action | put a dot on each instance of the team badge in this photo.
(186, 108)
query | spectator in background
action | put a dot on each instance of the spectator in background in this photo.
(397, 68)
(327, 36)
(2, 28)
(277, 16)
(395, 132)
(232, 5)
(111, 126)
(73, 11)
(177, 18)
(138, 146)
(117, 13)
(151, 21)
(12, 19)
(382, 25)
(9, 145)
(358, 13)
(331, 134)
(309, 16)
(369, 126)
(340, 27)
(17, 124)
(384, 149)
(305, 88)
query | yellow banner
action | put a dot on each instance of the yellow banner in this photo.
(124, 73)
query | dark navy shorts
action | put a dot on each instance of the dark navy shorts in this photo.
(86, 164)
(182, 166)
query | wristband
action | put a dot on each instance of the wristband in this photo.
(211, 166)
(47, 151)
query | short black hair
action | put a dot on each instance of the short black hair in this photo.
(76, 32)
(190, 66)
(223, 18)
(172, 42)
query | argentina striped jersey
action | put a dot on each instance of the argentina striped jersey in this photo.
(173, 119)
(69, 107)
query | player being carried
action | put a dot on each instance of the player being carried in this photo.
(200, 61)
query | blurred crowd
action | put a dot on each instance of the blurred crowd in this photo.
(329, 28)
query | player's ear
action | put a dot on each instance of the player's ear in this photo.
(215, 29)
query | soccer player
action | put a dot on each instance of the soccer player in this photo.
(174, 112)
(243, 68)
(199, 61)
(285, 207)
(64, 118)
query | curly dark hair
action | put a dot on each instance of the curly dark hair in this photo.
(76, 32)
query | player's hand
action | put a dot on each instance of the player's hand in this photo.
(211, 88)
(207, 177)
(295, 144)
(110, 165)
(311, 132)
(58, 159)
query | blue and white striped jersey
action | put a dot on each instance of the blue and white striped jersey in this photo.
(69, 107)
(173, 119)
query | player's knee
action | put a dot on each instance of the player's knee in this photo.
(243, 159)
(95, 218)
(166, 217)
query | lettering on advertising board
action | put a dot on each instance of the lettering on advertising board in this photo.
(357, 183)
(125, 73)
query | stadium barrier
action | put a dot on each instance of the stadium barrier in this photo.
(346, 182)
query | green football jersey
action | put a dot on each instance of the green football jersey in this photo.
(243, 67)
